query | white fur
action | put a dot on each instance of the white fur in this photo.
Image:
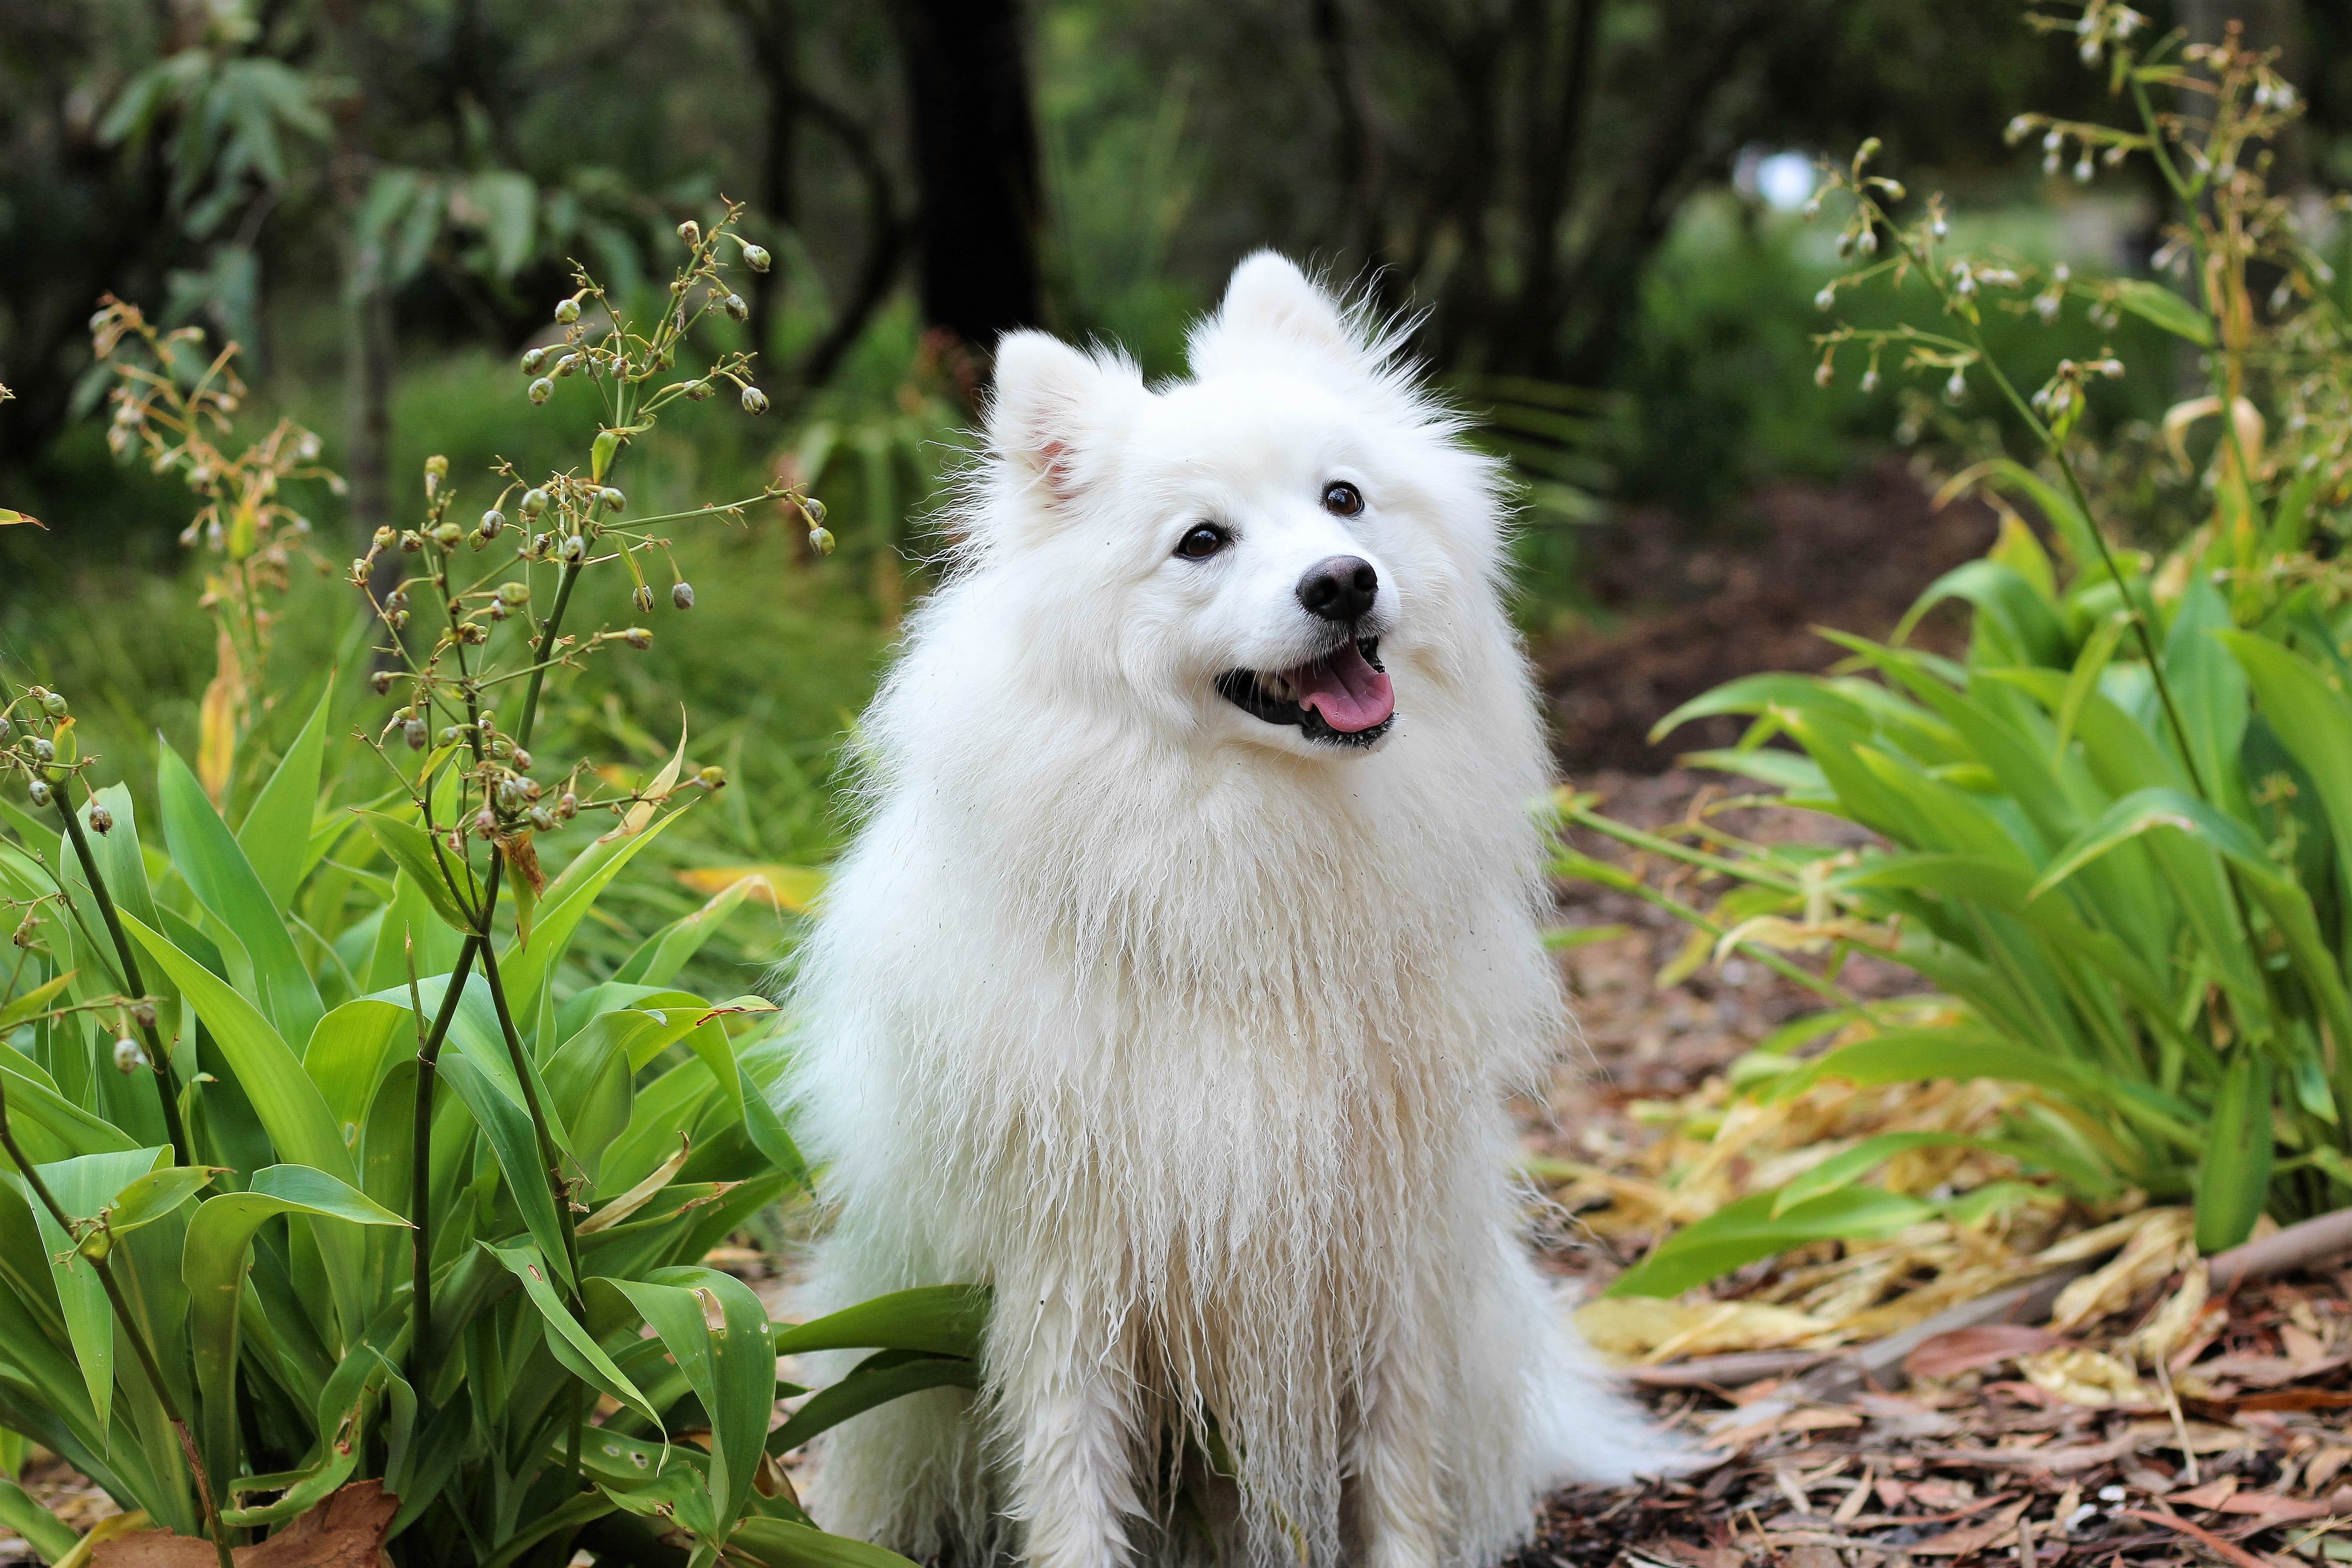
(1187, 1035)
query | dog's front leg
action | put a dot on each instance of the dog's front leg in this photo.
(1068, 1407)
(1400, 1509)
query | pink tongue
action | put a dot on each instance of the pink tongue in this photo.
(1350, 694)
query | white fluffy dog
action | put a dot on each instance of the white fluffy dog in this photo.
(1175, 982)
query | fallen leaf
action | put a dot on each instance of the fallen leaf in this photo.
(2324, 1465)
(1972, 1538)
(1814, 1420)
(2297, 1399)
(1966, 1349)
(2228, 1552)
(2212, 1494)
(2086, 1377)
(2270, 1505)
(346, 1530)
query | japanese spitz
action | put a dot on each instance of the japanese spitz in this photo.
(1175, 981)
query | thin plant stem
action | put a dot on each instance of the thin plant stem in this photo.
(167, 1081)
(131, 1331)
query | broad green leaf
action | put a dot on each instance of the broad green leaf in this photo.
(2098, 648)
(37, 1000)
(515, 1144)
(303, 1489)
(572, 1343)
(884, 1376)
(47, 1123)
(44, 1531)
(83, 1186)
(661, 955)
(276, 835)
(2027, 621)
(732, 1368)
(941, 1320)
(223, 881)
(352, 1049)
(781, 1543)
(213, 1260)
(2073, 528)
(427, 867)
(155, 1194)
(290, 1107)
(2312, 719)
(2155, 303)
(2234, 1178)
(1742, 1232)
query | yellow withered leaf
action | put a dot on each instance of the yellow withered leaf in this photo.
(789, 888)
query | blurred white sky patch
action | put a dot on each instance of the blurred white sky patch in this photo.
(1782, 181)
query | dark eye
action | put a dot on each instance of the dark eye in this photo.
(1341, 499)
(1202, 542)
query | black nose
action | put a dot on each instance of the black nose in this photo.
(1339, 589)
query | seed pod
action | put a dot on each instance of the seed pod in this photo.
(735, 306)
(411, 540)
(1824, 373)
(538, 817)
(447, 535)
(643, 599)
(682, 596)
(520, 763)
(101, 821)
(697, 390)
(39, 791)
(821, 541)
(416, 734)
(542, 390)
(499, 611)
(534, 502)
(567, 311)
(637, 638)
(813, 510)
(53, 704)
(515, 592)
(127, 1057)
(575, 549)
(143, 1014)
(386, 537)
(43, 751)
(533, 359)
(484, 825)
(567, 805)
(567, 364)
(382, 681)
(399, 619)
(711, 777)
(614, 500)
(754, 400)
(451, 734)
(755, 257)
(690, 231)
(492, 521)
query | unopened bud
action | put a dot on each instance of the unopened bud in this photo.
(514, 592)
(447, 535)
(382, 681)
(821, 541)
(39, 791)
(711, 777)
(417, 732)
(411, 540)
(643, 599)
(534, 502)
(451, 734)
(754, 400)
(484, 825)
(614, 500)
(43, 751)
(143, 1014)
(575, 549)
(1824, 373)
(538, 817)
(637, 638)
(127, 1057)
(101, 821)
(520, 762)
(755, 257)
(690, 231)
(567, 311)
(533, 359)
(492, 521)
(697, 390)
(813, 508)
(682, 596)
(1826, 299)
(567, 364)
(735, 306)
(386, 537)
(567, 805)
(53, 704)
(1957, 388)
(542, 390)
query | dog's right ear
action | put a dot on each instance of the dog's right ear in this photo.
(1052, 405)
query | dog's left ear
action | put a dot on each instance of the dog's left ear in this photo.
(1271, 303)
(1054, 406)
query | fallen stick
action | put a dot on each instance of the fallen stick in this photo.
(2305, 1242)
(1731, 1371)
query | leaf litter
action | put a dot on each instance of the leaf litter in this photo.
(2150, 1419)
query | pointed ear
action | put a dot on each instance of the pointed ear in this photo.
(1271, 304)
(1054, 405)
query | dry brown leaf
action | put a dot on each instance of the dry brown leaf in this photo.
(1808, 1420)
(2086, 1377)
(1972, 1538)
(344, 1532)
(2212, 1494)
(1966, 1349)
(2163, 1244)
(2324, 1467)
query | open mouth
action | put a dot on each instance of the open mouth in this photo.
(1343, 698)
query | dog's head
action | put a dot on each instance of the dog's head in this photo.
(1279, 550)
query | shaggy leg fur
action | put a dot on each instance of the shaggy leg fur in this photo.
(1067, 1416)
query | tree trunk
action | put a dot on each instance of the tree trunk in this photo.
(976, 166)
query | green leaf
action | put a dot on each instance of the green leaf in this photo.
(37, 1000)
(940, 1319)
(515, 1144)
(155, 1194)
(412, 850)
(83, 1186)
(44, 1531)
(570, 1342)
(2234, 1177)
(732, 1368)
(884, 1376)
(566, 902)
(1742, 1232)
(661, 955)
(781, 1543)
(2097, 649)
(2001, 592)
(213, 1262)
(2155, 303)
(241, 909)
(276, 835)
(291, 1109)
